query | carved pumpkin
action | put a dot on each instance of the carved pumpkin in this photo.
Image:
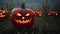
(53, 13)
(22, 18)
(3, 14)
(39, 13)
(56, 13)
(50, 13)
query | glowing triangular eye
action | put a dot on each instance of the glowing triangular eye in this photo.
(28, 14)
(18, 14)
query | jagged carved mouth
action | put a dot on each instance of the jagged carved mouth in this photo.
(23, 21)
(1, 15)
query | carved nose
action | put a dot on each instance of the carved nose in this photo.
(23, 17)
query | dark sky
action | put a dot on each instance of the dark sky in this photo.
(31, 3)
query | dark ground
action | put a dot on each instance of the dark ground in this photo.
(42, 25)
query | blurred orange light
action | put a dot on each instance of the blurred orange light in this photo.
(56, 14)
(28, 14)
(49, 14)
(40, 13)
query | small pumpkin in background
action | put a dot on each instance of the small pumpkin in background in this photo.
(39, 13)
(53, 13)
(3, 13)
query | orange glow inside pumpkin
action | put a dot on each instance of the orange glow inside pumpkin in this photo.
(18, 14)
(40, 13)
(23, 21)
(49, 14)
(1, 14)
(28, 14)
(56, 14)
(23, 17)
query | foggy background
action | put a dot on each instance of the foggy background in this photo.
(31, 3)
(46, 23)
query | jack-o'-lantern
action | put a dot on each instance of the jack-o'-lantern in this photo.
(3, 14)
(39, 13)
(50, 13)
(22, 18)
(53, 13)
(56, 13)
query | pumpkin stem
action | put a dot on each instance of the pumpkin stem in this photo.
(23, 5)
